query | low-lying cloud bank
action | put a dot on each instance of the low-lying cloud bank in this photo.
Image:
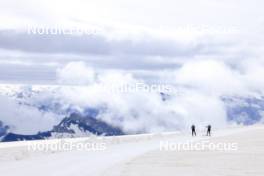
(192, 94)
(195, 93)
(24, 119)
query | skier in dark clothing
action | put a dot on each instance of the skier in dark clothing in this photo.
(193, 130)
(208, 130)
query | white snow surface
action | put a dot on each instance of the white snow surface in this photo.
(16, 158)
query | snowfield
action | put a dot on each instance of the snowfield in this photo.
(136, 155)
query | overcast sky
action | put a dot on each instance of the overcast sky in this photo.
(142, 37)
(207, 49)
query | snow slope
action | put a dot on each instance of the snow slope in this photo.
(121, 155)
(247, 160)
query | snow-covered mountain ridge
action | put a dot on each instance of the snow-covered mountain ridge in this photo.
(66, 113)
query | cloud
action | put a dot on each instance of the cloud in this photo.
(76, 73)
(221, 78)
(210, 76)
(53, 43)
(196, 98)
(146, 45)
(135, 52)
(139, 110)
(94, 44)
(202, 85)
(24, 119)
